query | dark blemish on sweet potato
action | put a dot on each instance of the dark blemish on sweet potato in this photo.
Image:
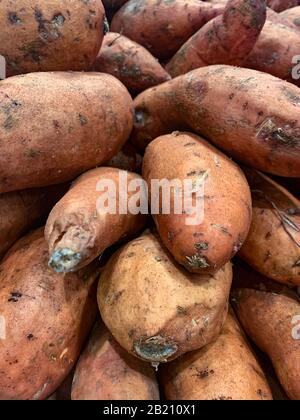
(56, 124)
(221, 228)
(181, 311)
(32, 153)
(83, 120)
(245, 106)
(196, 262)
(131, 333)
(231, 96)
(222, 398)
(8, 123)
(30, 337)
(297, 264)
(171, 236)
(268, 235)
(140, 116)
(269, 131)
(189, 144)
(203, 374)
(13, 18)
(201, 246)
(158, 258)
(267, 255)
(15, 296)
(130, 255)
(58, 20)
(294, 99)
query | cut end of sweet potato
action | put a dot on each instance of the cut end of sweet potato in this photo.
(64, 260)
(155, 349)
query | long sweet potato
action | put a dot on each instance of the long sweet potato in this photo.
(44, 320)
(226, 39)
(129, 62)
(163, 26)
(232, 108)
(78, 231)
(54, 126)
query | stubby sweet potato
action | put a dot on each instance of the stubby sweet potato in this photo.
(105, 371)
(128, 159)
(155, 309)
(163, 26)
(78, 229)
(224, 370)
(226, 39)
(273, 244)
(291, 17)
(205, 238)
(280, 5)
(243, 121)
(21, 209)
(129, 62)
(270, 314)
(38, 35)
(44, 320)
(275, 50)
(54, 126)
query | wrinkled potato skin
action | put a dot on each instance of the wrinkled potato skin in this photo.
(261, 133)
(224, 370)
(273, 244)
(45, 320)
(172, 311)
(19, 210)
(266, 311)
(54, 126)
(129, 62)
(207, 246)
(128, 159)
(162, 27)
(105, 371)
(55, 35)
(76, 223)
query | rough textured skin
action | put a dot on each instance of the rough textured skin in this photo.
(256, 118)
(226, 39)
(273, 244)
(21, 209)
(105, 371)
(209, 243)
(40, 35)
(154, 308)
(54, 126)
(280, 5)
(224, 370)
(274, 51)
(270, 313)
(78, 230)
(127, 159)
(292, 17)
(163, 26)
(44, 320)
(129, 62)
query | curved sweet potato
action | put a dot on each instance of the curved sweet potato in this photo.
(163, 26)
(224, 370)
(44, 320)
(226, 39)
(39, 35)
(129, 62)
(280, 5)
(273, 244)
(205, 239)
(105, 371)
(263, 133)
(78, 230)
(154, 308)
(270, 314)
(54, 126)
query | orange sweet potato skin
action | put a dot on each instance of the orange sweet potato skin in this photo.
(273, 244)
(77, 226)
(226, 39)
(208, 245)
(162, 27)
(129, 62)
(224, 370)
(248, 126)
(106, 371)
(39, 35)
(21, 209)
(54, 126)
(44, 318)
(267, 312)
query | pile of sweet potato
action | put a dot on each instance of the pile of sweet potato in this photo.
(111, 288)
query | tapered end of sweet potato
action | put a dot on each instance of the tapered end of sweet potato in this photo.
(155, 349)
(64, 260)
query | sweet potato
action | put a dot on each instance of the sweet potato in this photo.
(21, 209)
(127, 159)
(292, 17)
(260, 132)
(78, 230)
(54, 126)
(105, 371)
(163, 26)
(154, 308)
(270, 314)
(129, 62)
(38, 35)
(273, 244)
(44, 320)
(280, 5)
(226, 39)
(275, 50)
(206, 243)
(224, 370)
